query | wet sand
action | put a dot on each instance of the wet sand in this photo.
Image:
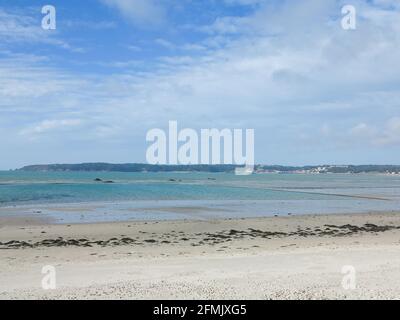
(290, 257)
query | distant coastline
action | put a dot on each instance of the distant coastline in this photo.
(141, 167)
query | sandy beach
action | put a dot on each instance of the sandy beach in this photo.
(290, 257)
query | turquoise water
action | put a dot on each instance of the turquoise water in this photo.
(68, 187)
(28, 188)
(76, 197)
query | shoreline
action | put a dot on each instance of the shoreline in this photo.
(176, 210)
(32, 219)
(247, 258)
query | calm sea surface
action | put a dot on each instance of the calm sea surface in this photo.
(77, 197)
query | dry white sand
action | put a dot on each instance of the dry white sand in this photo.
(296, 257)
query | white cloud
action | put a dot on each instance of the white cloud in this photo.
(227, 25)
(20, 27)
(51, 125)
(134, 48)
(165, 43)
(391, 133)
(244, 2)
(364, 132)
(193, 47)
(142, 12)
(23, 27)
(25, 78)
(87, 24)
(387, 134)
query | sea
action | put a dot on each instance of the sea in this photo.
(87, 197)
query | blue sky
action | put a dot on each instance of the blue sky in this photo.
(114, 69)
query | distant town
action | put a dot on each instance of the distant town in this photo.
(259, 169)
(329, 169)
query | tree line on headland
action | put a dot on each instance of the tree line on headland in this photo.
(142, 167)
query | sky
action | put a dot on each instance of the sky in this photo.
(112, 70)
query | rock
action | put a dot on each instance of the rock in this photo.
(127, 240)
(98, 180)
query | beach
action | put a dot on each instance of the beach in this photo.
(282, 257)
